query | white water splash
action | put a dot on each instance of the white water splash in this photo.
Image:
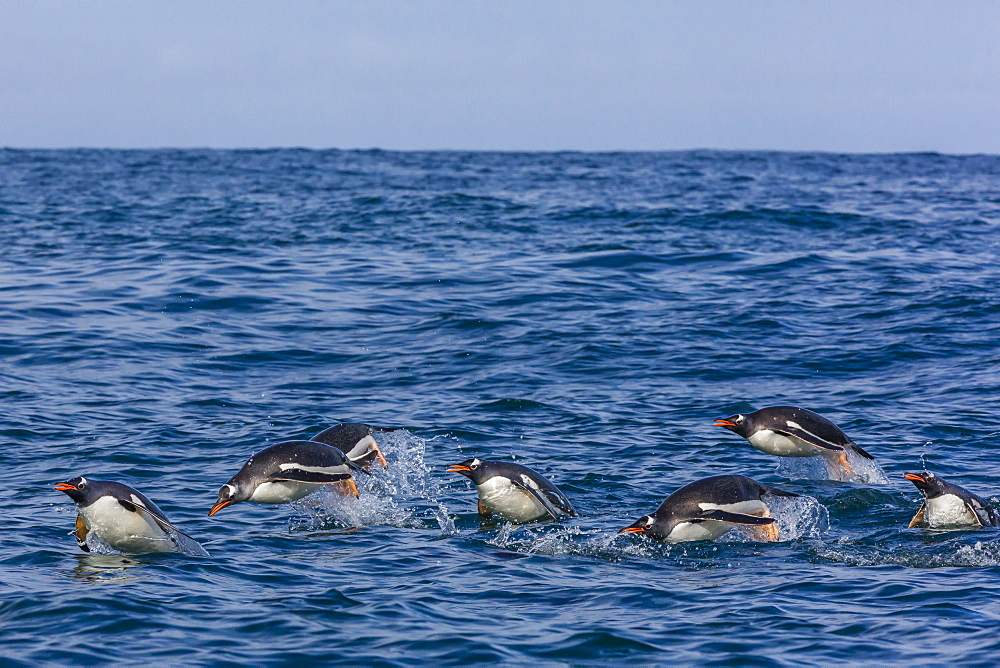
(863, 470)
(573, 540)
(797, 517)
(177, 542)
(404, 494)
(978, 554)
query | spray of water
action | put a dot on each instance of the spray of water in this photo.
(863, 470)
(177, 542)
(404, 494)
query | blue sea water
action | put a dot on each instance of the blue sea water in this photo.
(165, 314)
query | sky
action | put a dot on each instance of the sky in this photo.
(844, 76)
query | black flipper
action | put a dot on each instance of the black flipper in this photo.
(811, 439)
(164, 524)
(311, 477)
(549, 508)
(918, 519)
(735, 518)
(984, 512)
(561, 502)
(355, 467)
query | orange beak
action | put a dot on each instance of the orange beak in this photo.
(455, 468)
(631, 530)
(217, 507)
(63, 486)
(724, 423)
(914, 476)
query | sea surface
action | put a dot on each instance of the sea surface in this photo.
(165, 314)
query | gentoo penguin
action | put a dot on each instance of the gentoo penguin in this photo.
(514, 492)
(947, 505)
(709, 508)
(356, 441)
(286, 472)
(787, 431)
(120, 517)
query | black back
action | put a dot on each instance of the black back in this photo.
(93, 490)
(346, 435)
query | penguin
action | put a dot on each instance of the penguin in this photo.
(709, 508)
(948, 505)
(286, 472)
(514, 492)
(356, 441)
(787, 431)
(120, 517)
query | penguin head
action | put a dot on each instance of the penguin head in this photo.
(475, 470)
(80, 490)
(644, 523)
(230, 493)
(929, 484)
(740, 423)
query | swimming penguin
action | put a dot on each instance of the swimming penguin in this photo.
(120, 517)
(709, 508)
(787, 431)
(514, 492)
(356, 441)
(947, 505)
(286, 472)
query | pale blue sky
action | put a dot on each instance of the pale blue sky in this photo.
(510, 75)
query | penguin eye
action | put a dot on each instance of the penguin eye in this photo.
(474, 466)
(740, 418)
(81, 484)
(649, 521)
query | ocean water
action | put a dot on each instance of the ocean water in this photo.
(165, 314)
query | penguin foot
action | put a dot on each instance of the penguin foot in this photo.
(81, 532)
(843, 463)
(767, 533)
(348, 488)
(837, 466)
(379, 456)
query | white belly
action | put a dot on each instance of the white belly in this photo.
(509, 501)
(948, 510)
(283, 491)
(124, 530)
(712, 529)
(707, 530)
(773, 443)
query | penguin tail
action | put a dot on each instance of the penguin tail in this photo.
(858, 449)
(774, 491)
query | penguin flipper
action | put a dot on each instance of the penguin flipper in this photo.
(562, 503)
(81, 532)
(985, 514)
(918, 519)
(808, 437)
(142, 510)
(546, 504)
(734, 518)
(362, 469)
(312, 477)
